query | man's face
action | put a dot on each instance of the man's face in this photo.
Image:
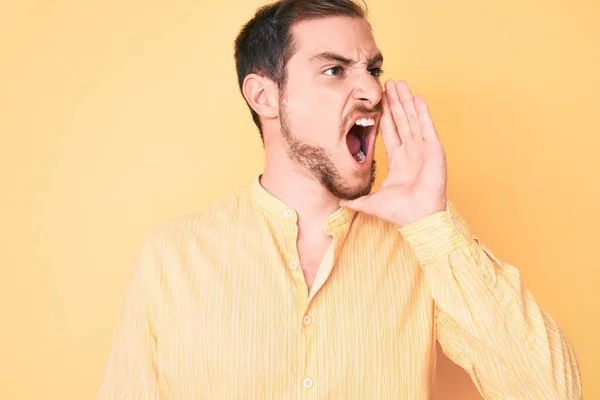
(332, 83)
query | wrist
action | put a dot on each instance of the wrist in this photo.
(433, 237)
(416, 215)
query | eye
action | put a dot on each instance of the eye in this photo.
(376, 72)
(334, 71)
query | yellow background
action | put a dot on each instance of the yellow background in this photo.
(118, 115)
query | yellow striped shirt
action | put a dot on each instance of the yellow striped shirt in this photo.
(218, 308)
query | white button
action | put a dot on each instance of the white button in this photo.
(307, 382)
(307, 320)
(293, 265)
(288, 213)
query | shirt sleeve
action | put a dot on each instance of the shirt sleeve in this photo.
(131, 371)
(486, 320)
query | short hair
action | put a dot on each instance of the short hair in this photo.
(265, 43)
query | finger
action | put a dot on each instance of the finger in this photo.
(398, 114)
(408, 103)
(425, 121)
(389, 132)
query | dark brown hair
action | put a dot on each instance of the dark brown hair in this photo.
(265, 44)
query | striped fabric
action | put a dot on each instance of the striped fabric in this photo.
(218, 308)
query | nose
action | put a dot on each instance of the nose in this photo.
(368, 90)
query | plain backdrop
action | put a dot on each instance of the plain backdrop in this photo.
(116, 116)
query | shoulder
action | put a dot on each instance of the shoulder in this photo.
(176, 242)
(209, 221)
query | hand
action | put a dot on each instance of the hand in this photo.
(415, 186)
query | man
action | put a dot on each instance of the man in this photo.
(307, 286)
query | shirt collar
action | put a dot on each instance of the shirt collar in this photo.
(339, 221)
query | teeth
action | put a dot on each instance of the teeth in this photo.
(365, 122)
(360, 156)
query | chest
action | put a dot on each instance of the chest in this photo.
(312, 254)
(252, 324)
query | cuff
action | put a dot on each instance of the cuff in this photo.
(433, 237)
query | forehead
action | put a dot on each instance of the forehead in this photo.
(351, 37)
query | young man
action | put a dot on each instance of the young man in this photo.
(307, 286)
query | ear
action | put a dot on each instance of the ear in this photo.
(262, 95)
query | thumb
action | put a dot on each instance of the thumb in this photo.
(362, 204)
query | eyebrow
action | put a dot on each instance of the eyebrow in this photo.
(333, 57)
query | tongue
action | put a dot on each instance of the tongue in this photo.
(353, 143)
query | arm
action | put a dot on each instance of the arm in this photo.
(131, 370)
(487, 321)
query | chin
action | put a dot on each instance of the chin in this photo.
(358, 183)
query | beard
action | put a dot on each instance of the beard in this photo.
(318, 161)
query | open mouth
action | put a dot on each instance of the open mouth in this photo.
(358, 138)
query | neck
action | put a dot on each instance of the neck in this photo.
(295, 186)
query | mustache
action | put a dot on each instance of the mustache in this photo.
(361, 109)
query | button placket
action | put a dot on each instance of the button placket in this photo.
(301, 296)
(307, 320)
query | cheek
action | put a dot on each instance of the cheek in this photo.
(300, 105)
(315, 115)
